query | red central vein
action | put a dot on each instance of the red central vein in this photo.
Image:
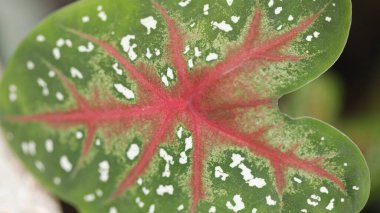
(167, 108)
(249, 52)
(175, 47)
(197, 164)
(278, 159)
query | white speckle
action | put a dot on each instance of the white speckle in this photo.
(304, 210)
(165, 80)
(322, 138)
(270, 3)
(75, 73)
(49, 145)
(190, 63)
(179, 132)
(99, 8)
(152, 208)
(51, 74)
(184, 3)
(239, 205)
(297, 180)
(139, 202)
(103, 16)
(345, 164)
(57, 181)
(60, 42)
(30, 65)
(99, 193)
(197, 52)
(169, 161)
(79, 135)
(278, 10)
(206, 7)
(279, 27)
(180, 207)
(29, 148)
(309, 38)
(103, 170)
(270, 201)
(355, 188)
(235, 19)
(169, 73)
(12, 93)
(69, 43)
(40, 38)
(133, 151)
(150, 23)
(192, 25)
(219, 173)
(313, 200)
(254, 210)
(139, 181)
(128, 47)
(236, 160)
(86, 49)
(212, 57)
(328, 19)
(316, 34)
(188, 143)
(330, 206)
(187, 49)
(128, 94)
(98, 142)
(85, 19)
(40, 166)
(65, 164)
(89, 198)
(157, 52)
(112, 210)
(250, 179)
(59, 96)
(223, 26)
(43, 85)
(162, 190)
(230, 2)
(148, 53)
(118, 71)
(56, 53)
(324, 190)
(290, 18)
(342, 200)
(145, 191)
(212, 209)
(188, 146)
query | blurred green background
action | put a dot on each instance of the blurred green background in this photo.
(348, 96)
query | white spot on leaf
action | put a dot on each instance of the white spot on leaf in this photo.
(270, 201)
(238, 206)
(162, 190)
(223, 26)
(128, 94)
(150, 23)
(133, 151)
(65, 164)
(128, 47)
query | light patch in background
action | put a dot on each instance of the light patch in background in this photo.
(25, 191)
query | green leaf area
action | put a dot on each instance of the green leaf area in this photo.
(144, 106)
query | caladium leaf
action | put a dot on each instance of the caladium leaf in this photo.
(157, 106)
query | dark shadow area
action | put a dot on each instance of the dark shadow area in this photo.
(67, 208)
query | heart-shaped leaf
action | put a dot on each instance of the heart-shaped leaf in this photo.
(140, 106)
